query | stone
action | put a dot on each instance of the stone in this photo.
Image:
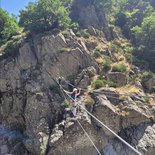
(3, 84)
(92, 31)
(3, 149)
(149, 83)
(86, 14)
(118, 78)
(139, 136)
(26, 53)
(85, 82)
(110, 94)
(71, 32)
(138, 85)
(91, 71)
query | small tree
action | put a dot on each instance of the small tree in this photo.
(145, 39)
(8, 26)
(44, 15)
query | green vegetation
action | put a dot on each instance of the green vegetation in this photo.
(65, 50)
(8, 27)
(120, 67)
(98, 83)
(137, 22)
(97, 54)
(89, 101)
(145, 38)
(82, 33)
(66, 33)
(107, 64)
(44, 15)
(147, 75)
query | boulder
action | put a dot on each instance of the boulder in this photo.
(85, 82)
(83, 79)
(140, 136)
(27, 53)
(117, 77)
(91, 71)
(138, 85)
(149, 83)
(4, 149)
(119, 117)
(110, 94)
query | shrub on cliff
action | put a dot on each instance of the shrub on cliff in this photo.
(8, 26)
(120, 67)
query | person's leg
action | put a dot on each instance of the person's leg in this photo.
(74, 111)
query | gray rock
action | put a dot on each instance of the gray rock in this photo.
(4, 149)
(92, 31)
(138, 84)
(85, 82)
(88, 15)
(149, 83)
(118, 78)
(140, 137)
(30, 101)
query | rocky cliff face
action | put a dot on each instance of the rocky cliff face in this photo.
(31, 116)
(87, 14)
(29, 108)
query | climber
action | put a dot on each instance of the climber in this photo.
(73, 95)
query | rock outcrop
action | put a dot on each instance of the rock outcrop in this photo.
(133, 124)
(149, 83)
(29, 96)
(87, 14)
(117, 77)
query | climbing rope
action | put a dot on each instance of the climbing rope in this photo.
(61, 88)
(121, 139)
(88, 137)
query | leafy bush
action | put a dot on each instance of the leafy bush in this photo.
(83, 33)
(44, 15)
(97, 54)
(98, 84)
(89, 101)
(107, 64)
(145, 38)
(129, 57)
(120, 67)
(147, 75)
(121, 19)
(75, 27)
(66, 33)
(112, 84)
(11, 49)
(8, 27)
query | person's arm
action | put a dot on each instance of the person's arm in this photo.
(79, 92)
(67, 92)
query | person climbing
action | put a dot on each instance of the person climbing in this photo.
(74, 94)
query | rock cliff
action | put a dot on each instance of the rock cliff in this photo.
(31, 116)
